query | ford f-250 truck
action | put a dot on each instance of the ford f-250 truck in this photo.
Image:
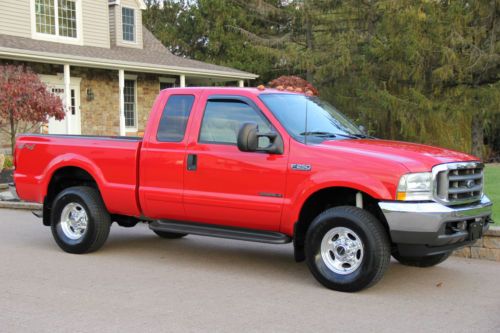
(260, 165)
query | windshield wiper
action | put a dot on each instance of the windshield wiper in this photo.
(319, 133)
(354, 136)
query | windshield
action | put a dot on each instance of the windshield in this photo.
(323, 120)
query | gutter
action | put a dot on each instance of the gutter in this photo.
(54, 58)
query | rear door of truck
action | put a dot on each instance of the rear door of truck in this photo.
(163, 155)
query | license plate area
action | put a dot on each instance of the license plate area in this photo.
(475, 230)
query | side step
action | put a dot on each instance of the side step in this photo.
(220, 231)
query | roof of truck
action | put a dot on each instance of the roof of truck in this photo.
(253, 90)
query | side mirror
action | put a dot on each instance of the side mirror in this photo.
(248, 140)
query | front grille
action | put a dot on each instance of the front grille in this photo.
(458, 183)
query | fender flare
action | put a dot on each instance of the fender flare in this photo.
(330, 179)
(75, 161)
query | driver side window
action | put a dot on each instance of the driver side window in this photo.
(223, 119)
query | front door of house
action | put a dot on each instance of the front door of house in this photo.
(73, 112)
(55, 84)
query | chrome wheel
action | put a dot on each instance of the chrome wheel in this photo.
(74, 221)
(342, 250)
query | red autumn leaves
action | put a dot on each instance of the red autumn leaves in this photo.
(25, 100)
(293, 83)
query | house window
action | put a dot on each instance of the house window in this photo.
(130, 104)
(56, 17)
(128, 24)
(73, 102)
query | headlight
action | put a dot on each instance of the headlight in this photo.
(415, 187)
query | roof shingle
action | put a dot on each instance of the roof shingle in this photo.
(152, 54)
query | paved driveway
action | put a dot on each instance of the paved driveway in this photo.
(139, 282)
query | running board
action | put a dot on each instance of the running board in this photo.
(220, 231)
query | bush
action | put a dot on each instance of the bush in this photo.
(8, 164)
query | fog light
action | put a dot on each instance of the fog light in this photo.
(461, 225)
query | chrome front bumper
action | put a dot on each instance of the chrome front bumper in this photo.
(427, 224)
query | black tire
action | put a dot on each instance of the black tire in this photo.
(376, 251)
(98, 220)
(427, 261)
(169, 235)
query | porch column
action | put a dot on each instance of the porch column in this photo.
(67, 97)
(241, 83)
(121, 87)
(182, 80)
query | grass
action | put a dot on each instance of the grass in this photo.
(492, 189)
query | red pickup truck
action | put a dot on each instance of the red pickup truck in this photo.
(260, 165)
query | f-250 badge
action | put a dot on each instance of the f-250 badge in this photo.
(301, 167)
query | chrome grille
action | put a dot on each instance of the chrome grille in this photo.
(458, 183)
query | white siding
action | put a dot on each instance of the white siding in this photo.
(15, 18)
(138, 24)
(112, 25)
(95, 24)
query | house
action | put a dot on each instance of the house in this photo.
(107, 67)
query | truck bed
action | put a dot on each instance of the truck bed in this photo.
(111, 161)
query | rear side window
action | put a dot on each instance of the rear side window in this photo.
(174, 118)
(222, 121)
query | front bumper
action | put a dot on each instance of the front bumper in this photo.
(427, 228)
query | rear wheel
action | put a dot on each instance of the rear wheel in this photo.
(169, 235)
(427, 261)
(347, 249)
(80, 222)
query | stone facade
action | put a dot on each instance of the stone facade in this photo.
(486, 248)
(100, 115)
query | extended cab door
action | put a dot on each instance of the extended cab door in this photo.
(223, 185)
(162, 160)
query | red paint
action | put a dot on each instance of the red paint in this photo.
(150, 178)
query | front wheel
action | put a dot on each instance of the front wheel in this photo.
(80, 222)
(347, 249)
(426, 261)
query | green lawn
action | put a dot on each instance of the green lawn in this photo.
(492, 190)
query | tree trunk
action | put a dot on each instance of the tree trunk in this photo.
(309, 42)
(12, 133)
(477, 135)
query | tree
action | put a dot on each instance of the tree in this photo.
(25, 102)
(424, 71)
(294, 83)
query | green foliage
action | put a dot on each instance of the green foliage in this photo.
(425, 71)
(492, 190)
(8, 163)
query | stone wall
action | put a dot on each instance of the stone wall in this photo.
(486, 248)
(100, 116)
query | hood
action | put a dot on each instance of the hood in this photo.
(415, 157)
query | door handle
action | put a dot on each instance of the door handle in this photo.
(192, 162)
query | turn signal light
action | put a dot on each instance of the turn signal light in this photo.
(401, 196)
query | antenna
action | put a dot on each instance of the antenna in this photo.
(306, 132)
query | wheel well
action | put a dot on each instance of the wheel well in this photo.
(62, 179)
(325, 199)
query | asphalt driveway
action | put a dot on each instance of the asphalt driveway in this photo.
(139, 282)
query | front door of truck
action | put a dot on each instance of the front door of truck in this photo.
(223, 185)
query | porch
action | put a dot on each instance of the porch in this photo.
(112, 102)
